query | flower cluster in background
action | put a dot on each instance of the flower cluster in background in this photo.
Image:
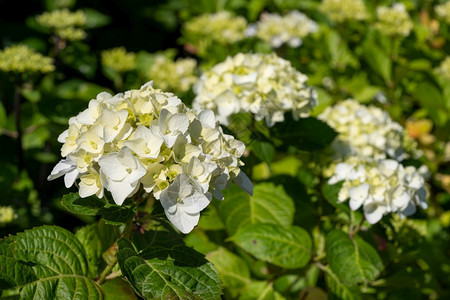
(443, 11)
(380, 187)
(119, 59)
(393, 20)
(149, 138)
(343, 10)
(221, 27)
(366, 131)
(174, 76)
(7, 215)
(64, 23)
(278, 30)
(444, 68)
(366, 156)
(263, 84)
(22, 59)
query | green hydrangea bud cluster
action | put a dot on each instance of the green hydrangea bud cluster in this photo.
(7, 215)
(444, 68)
(262, 84)
(21, 59)
(443, 11)
(366, 131)
(64, 23)
(277, 30)
(222, 27)
(175, 76)
(342, 10)
(393, 20)
(119, 59)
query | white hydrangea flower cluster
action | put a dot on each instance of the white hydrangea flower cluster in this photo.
(148, 138)
(278, 30)
(263, 84)
(394, 20)
(342, 10)
(380, 187)
(443, 11)
(366, 131)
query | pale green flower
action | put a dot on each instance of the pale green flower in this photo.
(444, 68)
(342, 10)
(393, 20)
(366, 131)
(21, 59)
(175, 76)
(119, 59)
(263, 84)
(7, 215)
(221, 27)
(443, 11)
(277, 30)
(64, 23)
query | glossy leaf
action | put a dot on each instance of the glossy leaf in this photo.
(83, 206)
(289, 247)
(269, 204)
(352, 260)
(178, 272)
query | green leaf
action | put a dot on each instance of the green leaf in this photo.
(289, 248)
(95, 19)
(339, 290)
(352, 260)
(331, 192)
(116, 215)
(309, 134)
(83, 206)
(431, 99)
(377, 59)
(178, 272)
(269, 204)
(265, 151)
(233, 270)
(260, 290)
(118, 289)
(49, 263)
(90, 239)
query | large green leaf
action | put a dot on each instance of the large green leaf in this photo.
(233, 270)
(430, 98)
(285, 247)
(269, 204)
(116, 215)
(339, 290)
(178, 272)
(46, 262)
(352, 260)
(309, 134)
(118, 289)
(83, 206)
(265, 151)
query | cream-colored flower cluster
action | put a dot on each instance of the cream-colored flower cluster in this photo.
(393, 20)
(365, 131)
(20, 58)
(7, 215)
(149, 139)
(221, 27)
(174, 76)
(64, 23)
(278, 30)
(444, 68)
(380, 187)
(119, 59)
(263, 84)
(342, 10)
(443, 11)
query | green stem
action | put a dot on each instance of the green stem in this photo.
(107, 270)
